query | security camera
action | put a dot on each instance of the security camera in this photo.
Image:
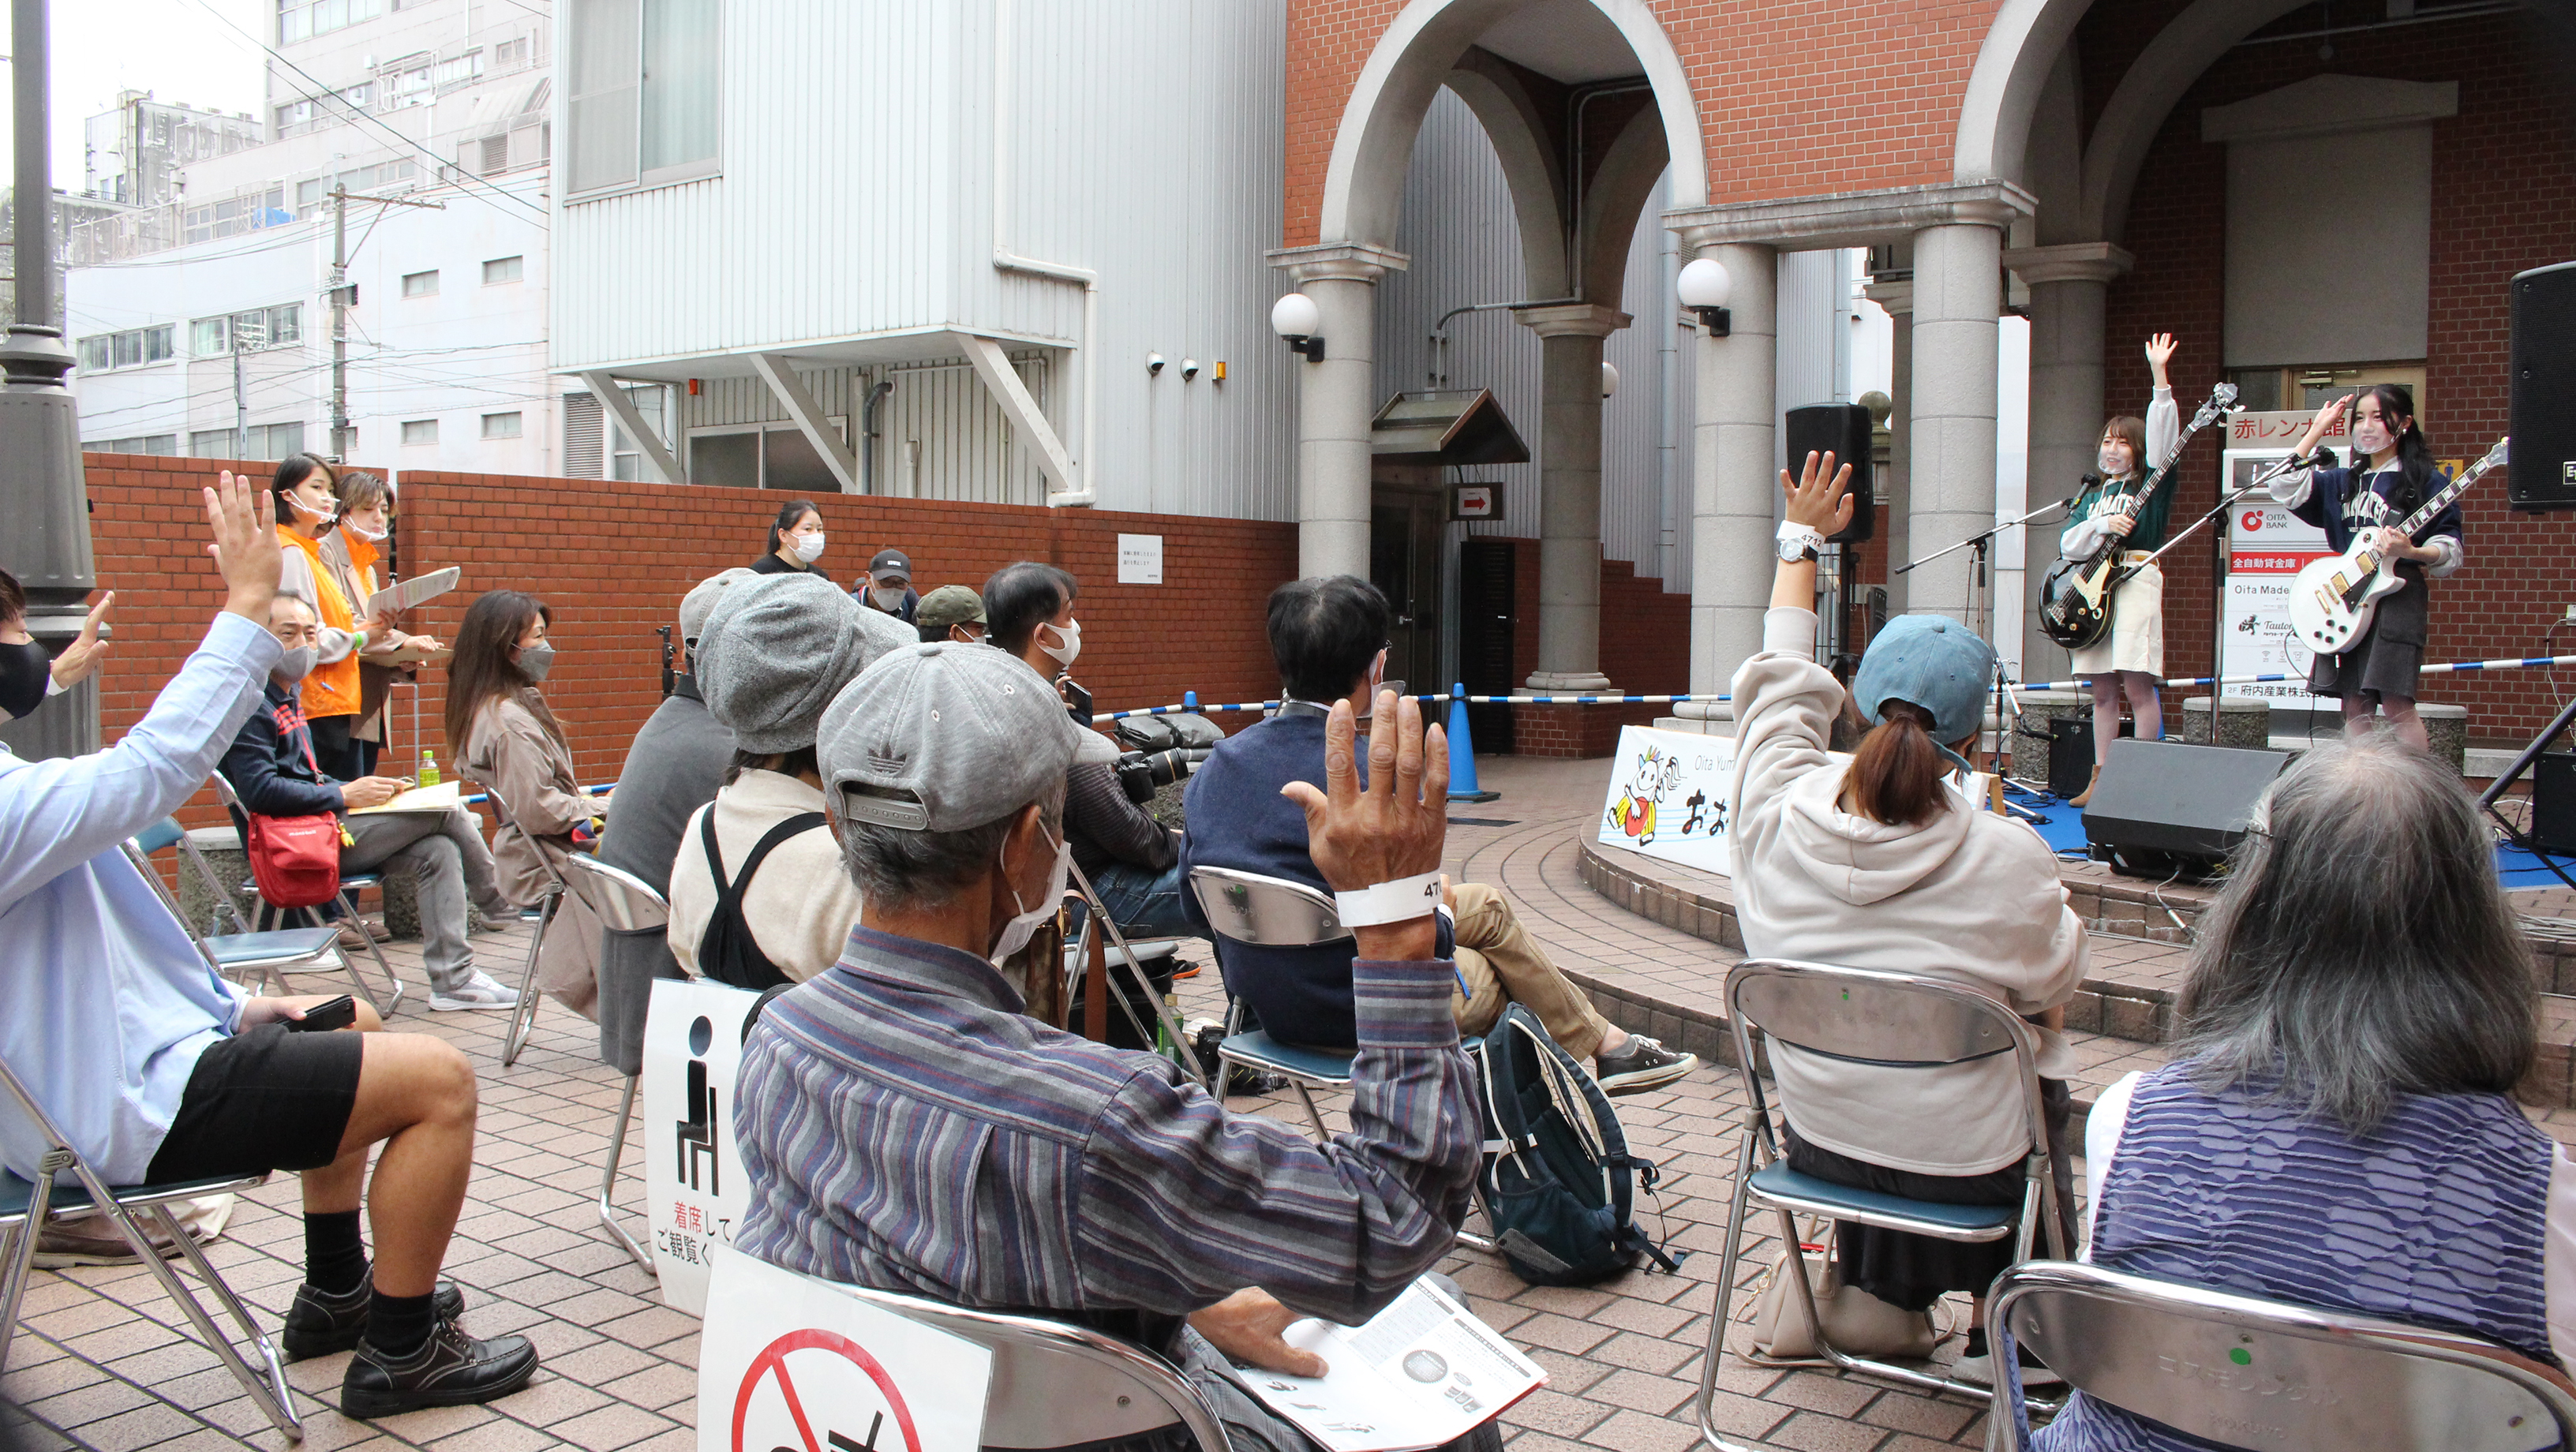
(1189, 369)
(1154, 365)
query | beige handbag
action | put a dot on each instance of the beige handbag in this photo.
(1858, 1323)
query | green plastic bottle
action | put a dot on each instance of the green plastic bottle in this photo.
(428, 770)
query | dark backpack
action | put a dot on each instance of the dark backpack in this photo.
(1557, 1176)
(727, 952)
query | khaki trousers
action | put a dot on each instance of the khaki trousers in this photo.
(1502, 966)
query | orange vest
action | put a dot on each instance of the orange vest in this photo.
(332, 690)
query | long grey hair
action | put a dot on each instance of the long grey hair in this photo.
(2362, 948)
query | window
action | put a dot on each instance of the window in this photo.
(421, 284)
(420, 431)
(502, 269)
(259, 441)
(294, 115)
(234, 215)
(501, 425)
(303, 19)
(278, 327)
(584, 427)
(142, 444)
(761, 456)
(131, 348)
(643, 99)
(493, 157)
(458, 70)
(410, 87)
(510, 54)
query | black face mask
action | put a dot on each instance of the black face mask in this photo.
(25, 672)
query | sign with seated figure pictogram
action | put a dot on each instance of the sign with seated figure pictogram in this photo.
(697, 1194)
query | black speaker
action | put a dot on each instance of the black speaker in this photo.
(2542, 474)
(2553, 803)
(1841, 429)
(2070, 752)
(2164, 808)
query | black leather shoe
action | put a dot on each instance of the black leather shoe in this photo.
(451, 1369)
(318, 1324)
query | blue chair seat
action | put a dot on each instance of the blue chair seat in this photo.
(71, 1195)
(1781, 1185)
(1316, 1066)
(281, 945)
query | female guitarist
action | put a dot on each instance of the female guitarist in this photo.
(2132, 657)
(2391, 476)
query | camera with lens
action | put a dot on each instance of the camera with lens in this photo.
(1161, 750)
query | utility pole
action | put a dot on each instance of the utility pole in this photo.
(241, 400)
(344, 296)
(42, 495)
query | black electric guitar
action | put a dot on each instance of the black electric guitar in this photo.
(2075, 598)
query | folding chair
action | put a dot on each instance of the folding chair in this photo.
(523, 1017)
(243, 955)
(1884, 1018)
(1057, 1385)
(24, 1206)
(2238, 1370)
(1272, 912)
(625, 903)
(350, 883)
(1140, 959)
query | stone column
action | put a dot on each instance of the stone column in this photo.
(1569, 463)
(2068, 284)
(1958, 291)
(1897, 297)
(1734, 478)
(1335, 399)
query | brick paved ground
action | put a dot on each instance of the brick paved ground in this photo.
(98, 1365)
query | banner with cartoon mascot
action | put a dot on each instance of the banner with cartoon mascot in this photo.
(1668, 797)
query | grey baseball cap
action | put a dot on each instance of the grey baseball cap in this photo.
(941, 737)
(949, 605)
(778, 648)
(700, 602)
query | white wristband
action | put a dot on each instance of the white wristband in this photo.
(1400, 901)
(1791, 532)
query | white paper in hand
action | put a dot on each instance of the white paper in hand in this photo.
(395, 599)
(1421, 1373)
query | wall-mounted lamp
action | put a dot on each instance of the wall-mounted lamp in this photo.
(1609, 380)
(1704, 288)
(1296, 318)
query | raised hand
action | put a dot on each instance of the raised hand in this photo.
(245, 545)
(1817, 497)
(2160, 351)
(79, 660)
(1393, 828)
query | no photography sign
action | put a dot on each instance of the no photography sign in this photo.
(789, 1363)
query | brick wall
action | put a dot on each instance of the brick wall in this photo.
(1645, 650)
(613, 559)
(1795, 97)
(2504, 199)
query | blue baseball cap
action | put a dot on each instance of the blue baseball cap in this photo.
(1929, 661)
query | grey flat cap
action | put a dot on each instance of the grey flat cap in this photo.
(942, 737)
(701, 600)
(778, 648)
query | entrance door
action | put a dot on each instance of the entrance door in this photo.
(1486, 600)
(1404, 563)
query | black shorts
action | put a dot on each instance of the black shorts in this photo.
(263, 1100)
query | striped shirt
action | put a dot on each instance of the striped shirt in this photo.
(904, 1127)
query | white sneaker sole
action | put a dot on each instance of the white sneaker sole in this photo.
(465, 1005)
(1641, 1079)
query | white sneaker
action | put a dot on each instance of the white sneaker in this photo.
(478, 991)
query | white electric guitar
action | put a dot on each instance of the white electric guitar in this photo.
(2333, 600)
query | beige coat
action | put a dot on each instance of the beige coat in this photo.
(511, 751)
(800, 905)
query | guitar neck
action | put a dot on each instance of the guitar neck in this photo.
(2451, 491)
(2182, 442)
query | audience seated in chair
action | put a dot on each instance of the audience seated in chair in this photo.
(2337, 1127)
(1329, 638)
(160, 1071)
(775, 652)
(903, 1126)
(676, 762)
(501, 732)
(1882, 864)
(272, 769)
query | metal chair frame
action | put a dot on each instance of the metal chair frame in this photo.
(625, 903)
(268, 956)
(1296, 916)
(523, 1015)
(19, 1232)
(1057, 1385)
(1883, 1017)
(349, 881)
(2219, 1365)
(1124, 954)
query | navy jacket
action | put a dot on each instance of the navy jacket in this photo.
(1238, 819)
(270, 764)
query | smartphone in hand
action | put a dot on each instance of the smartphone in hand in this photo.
(337, 1013)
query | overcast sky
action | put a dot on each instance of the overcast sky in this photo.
(176, 49)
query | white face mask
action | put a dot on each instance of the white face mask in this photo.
(2370, 436)
(2114, 463)
(1071, 635)
(371, 536)
(1017, 932)
(307, 510)
(809, 547)
(888, 598)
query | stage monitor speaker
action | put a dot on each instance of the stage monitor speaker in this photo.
(2553, 803)
(2070, 752)
(2165, 808)
(1841, 429)
(2542, 474)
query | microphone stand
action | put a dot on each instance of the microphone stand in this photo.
(1981, 543)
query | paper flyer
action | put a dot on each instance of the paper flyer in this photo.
(1422, 1372)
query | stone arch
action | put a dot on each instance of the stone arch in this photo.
(1531, 169)
(2190, 44)
(2013, 65)
(1420, 52)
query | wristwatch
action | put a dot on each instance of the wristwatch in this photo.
(1799, 542)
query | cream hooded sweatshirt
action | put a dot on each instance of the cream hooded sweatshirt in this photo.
(1971, 897)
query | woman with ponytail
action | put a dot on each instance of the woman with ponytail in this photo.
(2390, 477)
(1883, 863)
